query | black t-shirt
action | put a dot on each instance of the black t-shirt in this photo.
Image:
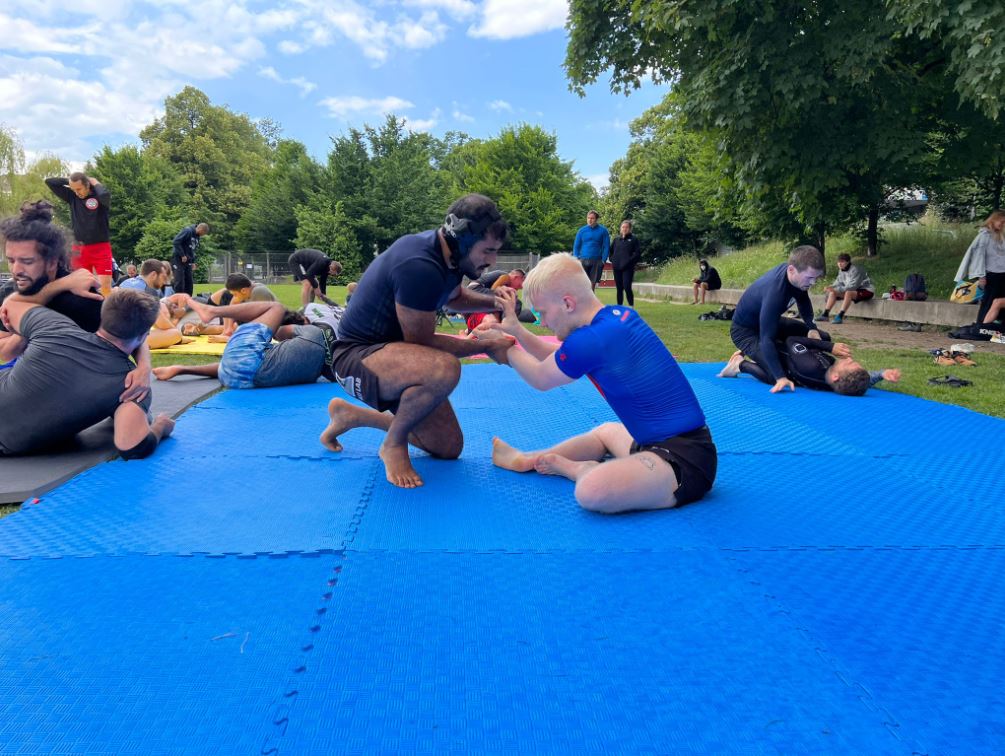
(309, 264)
(710, 276)
(66, 381)
(89, 216)
(413, 273)
(185, 244)
(86, 313)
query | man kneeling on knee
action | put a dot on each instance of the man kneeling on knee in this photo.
(662, 451)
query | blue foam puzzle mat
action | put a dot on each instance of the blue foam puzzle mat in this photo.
(920, 631)
(574, 653)
(191, 505)
(486, 611)
(151, 655)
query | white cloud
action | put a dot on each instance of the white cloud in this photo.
(456, 8)
(509, 19)
(460, 115)
(424, 124)
(500, 106)
(305, 86)
(343, 107)
(600, 181)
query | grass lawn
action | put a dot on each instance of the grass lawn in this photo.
(692, 340)
(934, 250)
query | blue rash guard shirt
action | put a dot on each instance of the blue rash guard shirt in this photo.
(634, 372)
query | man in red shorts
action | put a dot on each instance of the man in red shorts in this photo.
(89, 202)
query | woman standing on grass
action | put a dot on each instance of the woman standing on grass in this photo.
(985, 260)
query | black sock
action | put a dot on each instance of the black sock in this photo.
(841, 313)
(825, 313)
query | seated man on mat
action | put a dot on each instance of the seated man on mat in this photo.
(68, 379)
(816, 364)
(389, 355)
(250, 359)
(37, 255)
(663, 455)
(758, 324)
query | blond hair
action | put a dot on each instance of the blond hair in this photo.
(557, 275)
(997, 215)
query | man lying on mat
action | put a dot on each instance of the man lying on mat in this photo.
(250, 359)
(663, 455)
(389, 355)
(68, 379)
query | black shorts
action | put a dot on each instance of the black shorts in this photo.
(694, 460)
(347, 369)
(301, 275)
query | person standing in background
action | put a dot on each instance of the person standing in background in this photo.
(625, 255)
(89, 203)
(186, 244)
(592, 247)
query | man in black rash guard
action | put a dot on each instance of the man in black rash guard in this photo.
(758, 323)
(312, 266)
(817, 364)
(388, 354)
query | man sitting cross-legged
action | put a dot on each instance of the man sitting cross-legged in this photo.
(389, 355)
(68, 379)
(663, 455)
(250, 359)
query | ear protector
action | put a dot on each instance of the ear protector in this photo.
(462, 234)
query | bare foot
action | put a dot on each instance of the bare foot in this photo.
(166, 373)
(556, 464)
(186, 340)
(343, 417)
(217, 338)
(732, 368)
(398, 466)
(508, 458)
(200, 309)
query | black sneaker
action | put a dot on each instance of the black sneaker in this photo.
(915, 327)
(821, 318)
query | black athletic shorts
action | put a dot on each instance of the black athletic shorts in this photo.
(347, 369)
(692, 456)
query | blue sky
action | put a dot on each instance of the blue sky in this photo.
(77, 75)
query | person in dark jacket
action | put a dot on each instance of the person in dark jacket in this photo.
(186, 243)
(625, 255)
(707, 280)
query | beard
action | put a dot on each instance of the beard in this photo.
(468, 268)
(34, 287)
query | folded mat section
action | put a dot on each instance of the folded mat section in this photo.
(188, 505)
(22, 478)
(151, 655)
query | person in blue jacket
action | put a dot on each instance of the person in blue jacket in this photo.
(592, 247)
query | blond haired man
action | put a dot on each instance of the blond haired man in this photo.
(662, 451)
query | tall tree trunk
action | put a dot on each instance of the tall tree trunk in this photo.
(819, 232)
(872, 233)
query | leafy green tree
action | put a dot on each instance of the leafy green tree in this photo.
(22, 181)
(541, 196)
(819, 107)
(968, 36)
(218, 154)
(328, 228)
(270, 221)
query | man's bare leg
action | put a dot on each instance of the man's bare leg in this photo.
(587, 447)
(105, 282)
(420, 379)
(170, 371)
(270, 314)
(732, 368)
(343, 416)
(306, 293)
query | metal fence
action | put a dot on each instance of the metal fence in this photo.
(273, 267)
